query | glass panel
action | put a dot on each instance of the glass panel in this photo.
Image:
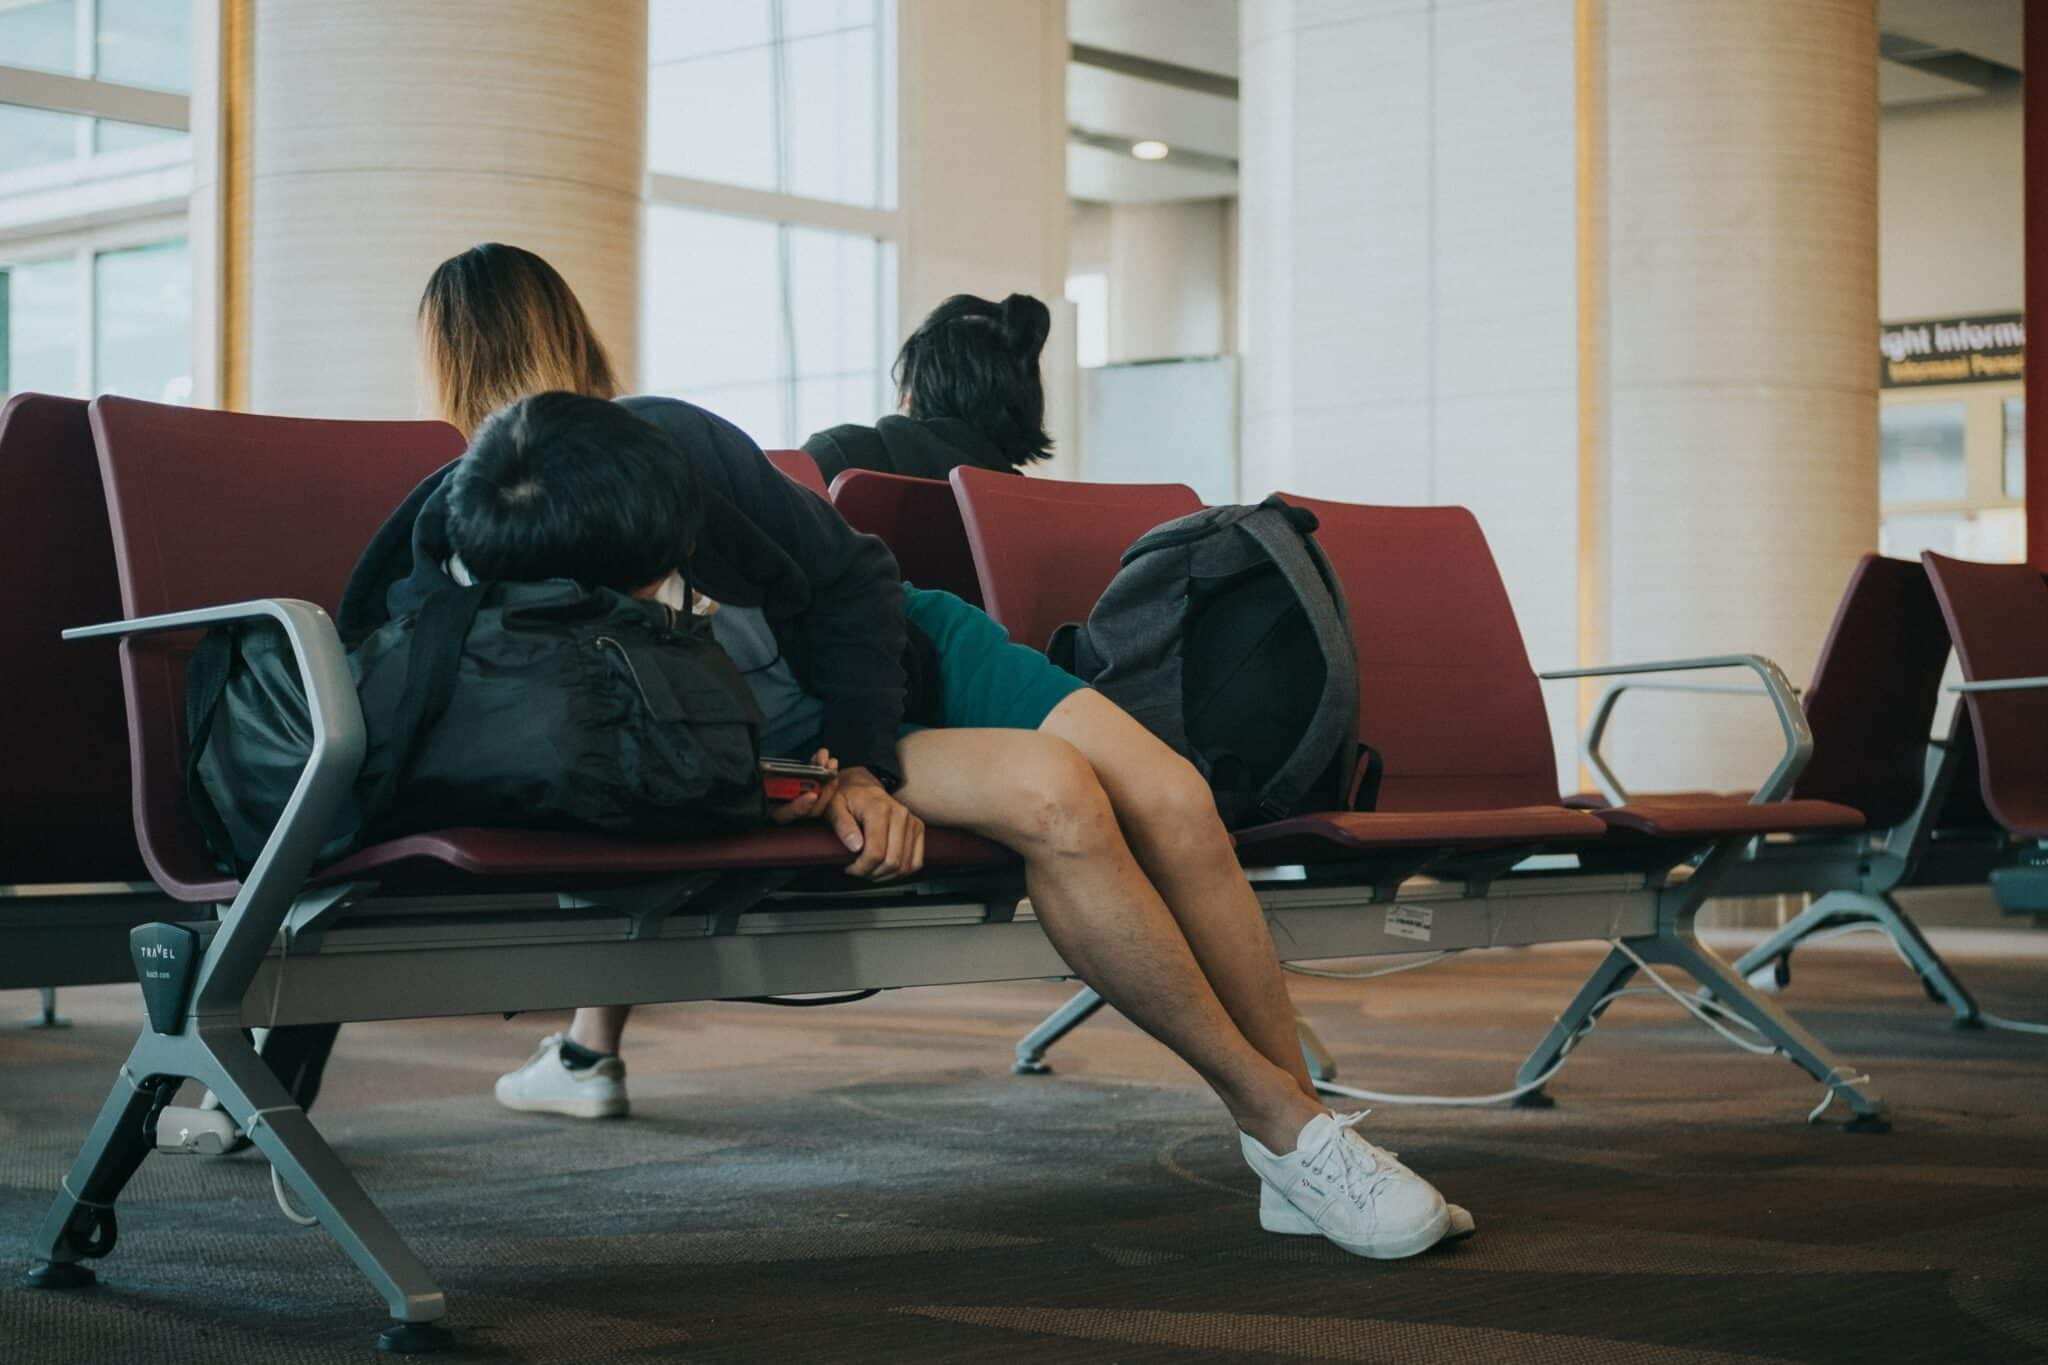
(42, 34)
(1921, 453)
(720, 330)
(42, 327)
(715, 68)
(712, 315)
(145, 42)
(36, 137)
(110, 138)
(2015, 447)
(142, 323)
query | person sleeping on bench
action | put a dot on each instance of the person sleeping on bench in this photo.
(929, 711)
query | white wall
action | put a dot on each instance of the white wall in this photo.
(1170, 274)
(1950, 211)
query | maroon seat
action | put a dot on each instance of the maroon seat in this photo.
(1447, 696)
(799, 466)
(919, 520)
(1998, 616)
(1871, 706)
(64, 811)
(212, 508)
(1044, 549)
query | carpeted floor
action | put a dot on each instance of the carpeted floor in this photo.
(870, 1183)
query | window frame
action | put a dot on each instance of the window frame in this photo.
(784, 211)
(135, 198)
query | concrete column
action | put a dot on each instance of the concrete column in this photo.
(984, 171)
(1604, 273)
(1738, 481)
(1407, 274)
(383, 136)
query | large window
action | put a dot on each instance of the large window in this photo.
(95, 175)
(770, 280)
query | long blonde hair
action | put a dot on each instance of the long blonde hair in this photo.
(498, 323)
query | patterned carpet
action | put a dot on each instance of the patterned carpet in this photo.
(870, 1183)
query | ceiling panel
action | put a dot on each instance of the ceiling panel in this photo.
(1197, 33)
(1111, 177)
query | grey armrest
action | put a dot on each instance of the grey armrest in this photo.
(2000, 685)
(339, 743)
(1784, 700)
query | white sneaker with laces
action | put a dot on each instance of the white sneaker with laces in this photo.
(1337, 1185)
(545, 1086)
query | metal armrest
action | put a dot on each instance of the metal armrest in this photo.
(339, 743)
(1784, 700)
(2000, 685)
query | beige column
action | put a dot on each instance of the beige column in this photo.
(1407, 275)
(1739, 465)
(984, 170)
(380, 137)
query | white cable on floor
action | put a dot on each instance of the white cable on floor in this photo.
(1699, 1009)
(284, 950)
(1428, 959)
(277, 1188)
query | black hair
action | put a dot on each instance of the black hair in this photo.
(977, 361)
(559, 485)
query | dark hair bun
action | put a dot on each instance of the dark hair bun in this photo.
(1026, 324)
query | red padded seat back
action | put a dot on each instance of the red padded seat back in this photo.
(919, 520)
(64, 807)
(1998, 616)
(210, 508)
(1044, 549)
(800, 467)
(1874, 693)
(1445, 691)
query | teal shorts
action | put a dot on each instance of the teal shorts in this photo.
(985, 680)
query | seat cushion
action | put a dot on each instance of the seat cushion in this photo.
(1595, 801)
(1343, 834)
(577, 859)
(1707, 816)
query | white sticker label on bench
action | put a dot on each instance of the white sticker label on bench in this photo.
(1409, 921)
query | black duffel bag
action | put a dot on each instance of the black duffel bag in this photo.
(530, 705)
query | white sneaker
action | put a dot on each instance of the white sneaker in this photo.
(545, 1086)
(1336, 1184)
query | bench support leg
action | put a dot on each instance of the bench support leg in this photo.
(1057, 1025)
(1611, 975)
(1680, 948)
(1852, 907)
(81, 1226)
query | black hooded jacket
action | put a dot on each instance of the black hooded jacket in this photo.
(923, 448)
(832, 595)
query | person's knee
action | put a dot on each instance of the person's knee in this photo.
(1061, 810)
(1174, 806)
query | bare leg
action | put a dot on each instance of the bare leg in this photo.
(1169, 816)
(1037, 794)
(598, 1027)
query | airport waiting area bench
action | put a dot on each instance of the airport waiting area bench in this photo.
(219, 517)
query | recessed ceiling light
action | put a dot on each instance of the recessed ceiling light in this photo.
(1149, 150)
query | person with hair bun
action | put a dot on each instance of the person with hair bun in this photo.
(968, 385)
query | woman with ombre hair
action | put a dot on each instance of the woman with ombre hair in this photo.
(928, 709)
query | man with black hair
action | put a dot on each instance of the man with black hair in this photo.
(1130, 871)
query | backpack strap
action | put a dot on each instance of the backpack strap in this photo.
(1279, 530)
(206, 682)
(432, 662)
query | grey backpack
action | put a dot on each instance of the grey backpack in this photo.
(1225, 634)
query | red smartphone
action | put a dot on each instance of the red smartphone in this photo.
(783, 780)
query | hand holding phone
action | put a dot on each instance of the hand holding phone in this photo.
(784, 780)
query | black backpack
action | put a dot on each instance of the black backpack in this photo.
(1225, 634)
(530, 705)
